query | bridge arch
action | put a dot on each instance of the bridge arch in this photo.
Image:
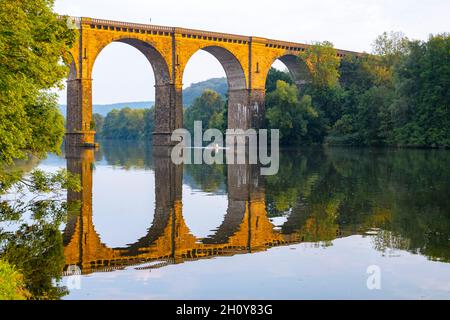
(168, 114)
(155, 58)
(297, 68)
(234, 64)
(233, 68)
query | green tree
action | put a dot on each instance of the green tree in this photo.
(372, 118)
(149, 118)
(126, 124)
(35, 248)
(132, 124)
(32, 41)
(111, 124)
(273, 76)
(323, 64)
(392, 46)
(219, 120)
(357, 73)
(208, 108)
(12, 285)
(421, 111)
(99, 122)
(367, 81)
(286, 113)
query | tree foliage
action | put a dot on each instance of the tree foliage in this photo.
(210, 109)
(397, 97)
(421, 111)
(125, 124)
(35, 203)
(32, 41)
(289, 114)
(12, 285)
(391, 46)
(273, 76)
(99, 122)
(324, 190)
(323, 64)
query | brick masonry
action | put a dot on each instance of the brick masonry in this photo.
(246, 61)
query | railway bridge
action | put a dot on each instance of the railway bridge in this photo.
(245, 59)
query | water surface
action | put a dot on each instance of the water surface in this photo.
(148, 229)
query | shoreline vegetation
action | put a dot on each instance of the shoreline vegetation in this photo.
(32, 42)
(396, 97)
(12, 284)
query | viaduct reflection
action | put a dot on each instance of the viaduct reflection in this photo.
(246, 227)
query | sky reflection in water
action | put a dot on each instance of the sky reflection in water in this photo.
(329, 215)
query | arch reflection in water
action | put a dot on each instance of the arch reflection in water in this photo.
(246, 227)
(318, 196)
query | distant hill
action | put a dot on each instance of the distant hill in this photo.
(195, 90)
(104, 109)
(192, 92)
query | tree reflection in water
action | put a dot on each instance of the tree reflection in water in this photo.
(398, 198)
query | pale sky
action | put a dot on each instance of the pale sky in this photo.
(122, 74)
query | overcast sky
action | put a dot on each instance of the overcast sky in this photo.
(122, 74)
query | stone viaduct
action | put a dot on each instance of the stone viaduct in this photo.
(246, 61)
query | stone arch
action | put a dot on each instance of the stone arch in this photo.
(231, 65)
(154, 57)
(297, 68)
(233, 68)
(168, 112)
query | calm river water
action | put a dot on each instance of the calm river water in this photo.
(334, 223)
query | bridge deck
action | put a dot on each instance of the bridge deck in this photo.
(196, 34)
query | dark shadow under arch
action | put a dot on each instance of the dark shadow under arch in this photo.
(231, 65)
(297, 68)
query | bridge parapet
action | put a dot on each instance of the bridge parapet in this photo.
(113, 25)
(100, 23)
(212, 36)
(298, 47)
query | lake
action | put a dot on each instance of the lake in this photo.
(334, 223)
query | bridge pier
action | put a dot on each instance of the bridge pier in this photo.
(168, 113)
(246, 109)
(80, 128)
(79, 236)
